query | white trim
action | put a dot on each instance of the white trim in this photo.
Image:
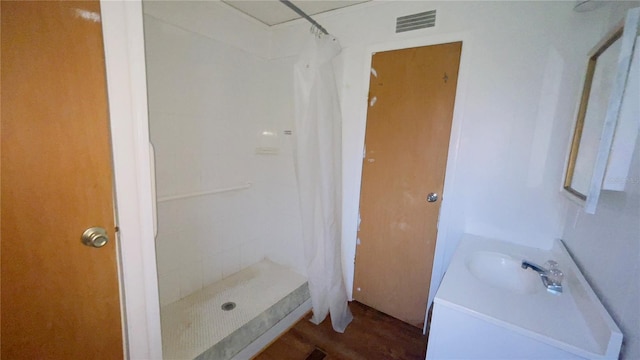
(126, 81)
(243, 15)
(446, 223)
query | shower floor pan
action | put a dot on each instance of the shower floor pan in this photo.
(197, 327)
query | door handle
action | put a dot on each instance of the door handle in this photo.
(95, 237)
(432, 197)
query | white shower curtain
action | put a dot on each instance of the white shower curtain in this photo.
(318, 156)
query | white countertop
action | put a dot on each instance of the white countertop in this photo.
(575, 320)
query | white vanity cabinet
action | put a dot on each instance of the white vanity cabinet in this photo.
(496, 310)
(457, 334)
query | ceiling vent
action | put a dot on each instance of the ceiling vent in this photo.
(421, 20)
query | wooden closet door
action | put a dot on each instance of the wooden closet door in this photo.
(411, 97)
(60, 298)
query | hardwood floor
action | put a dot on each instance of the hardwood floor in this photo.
(371, 335)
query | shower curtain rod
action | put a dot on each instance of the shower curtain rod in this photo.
(304, 15)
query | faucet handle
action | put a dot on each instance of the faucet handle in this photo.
(551, 264)
(554, 274)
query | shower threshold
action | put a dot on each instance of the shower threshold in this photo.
(204, 325)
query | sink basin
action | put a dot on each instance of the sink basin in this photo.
(504, 312)
(504, 272)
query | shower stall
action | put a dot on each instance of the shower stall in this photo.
(230, 259)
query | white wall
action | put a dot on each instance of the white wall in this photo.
(209, 101)
(214, 20)
(277, 173)
(606, 245)
(521, 72)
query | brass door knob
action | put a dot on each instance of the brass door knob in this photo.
(95, 237)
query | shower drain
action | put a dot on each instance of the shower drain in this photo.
(228, 306)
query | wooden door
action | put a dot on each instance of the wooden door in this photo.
(60, 298)
(411, 97)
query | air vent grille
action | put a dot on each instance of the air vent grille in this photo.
(421, 20)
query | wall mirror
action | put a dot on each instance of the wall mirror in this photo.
(604, 85)
(601, 70)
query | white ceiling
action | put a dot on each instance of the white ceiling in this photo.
(273, 12)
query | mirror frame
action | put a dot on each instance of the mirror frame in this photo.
(628, 34)
(598, 50)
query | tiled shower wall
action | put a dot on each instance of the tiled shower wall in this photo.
(208, 104)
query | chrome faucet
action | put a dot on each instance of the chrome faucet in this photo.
(551, 278)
